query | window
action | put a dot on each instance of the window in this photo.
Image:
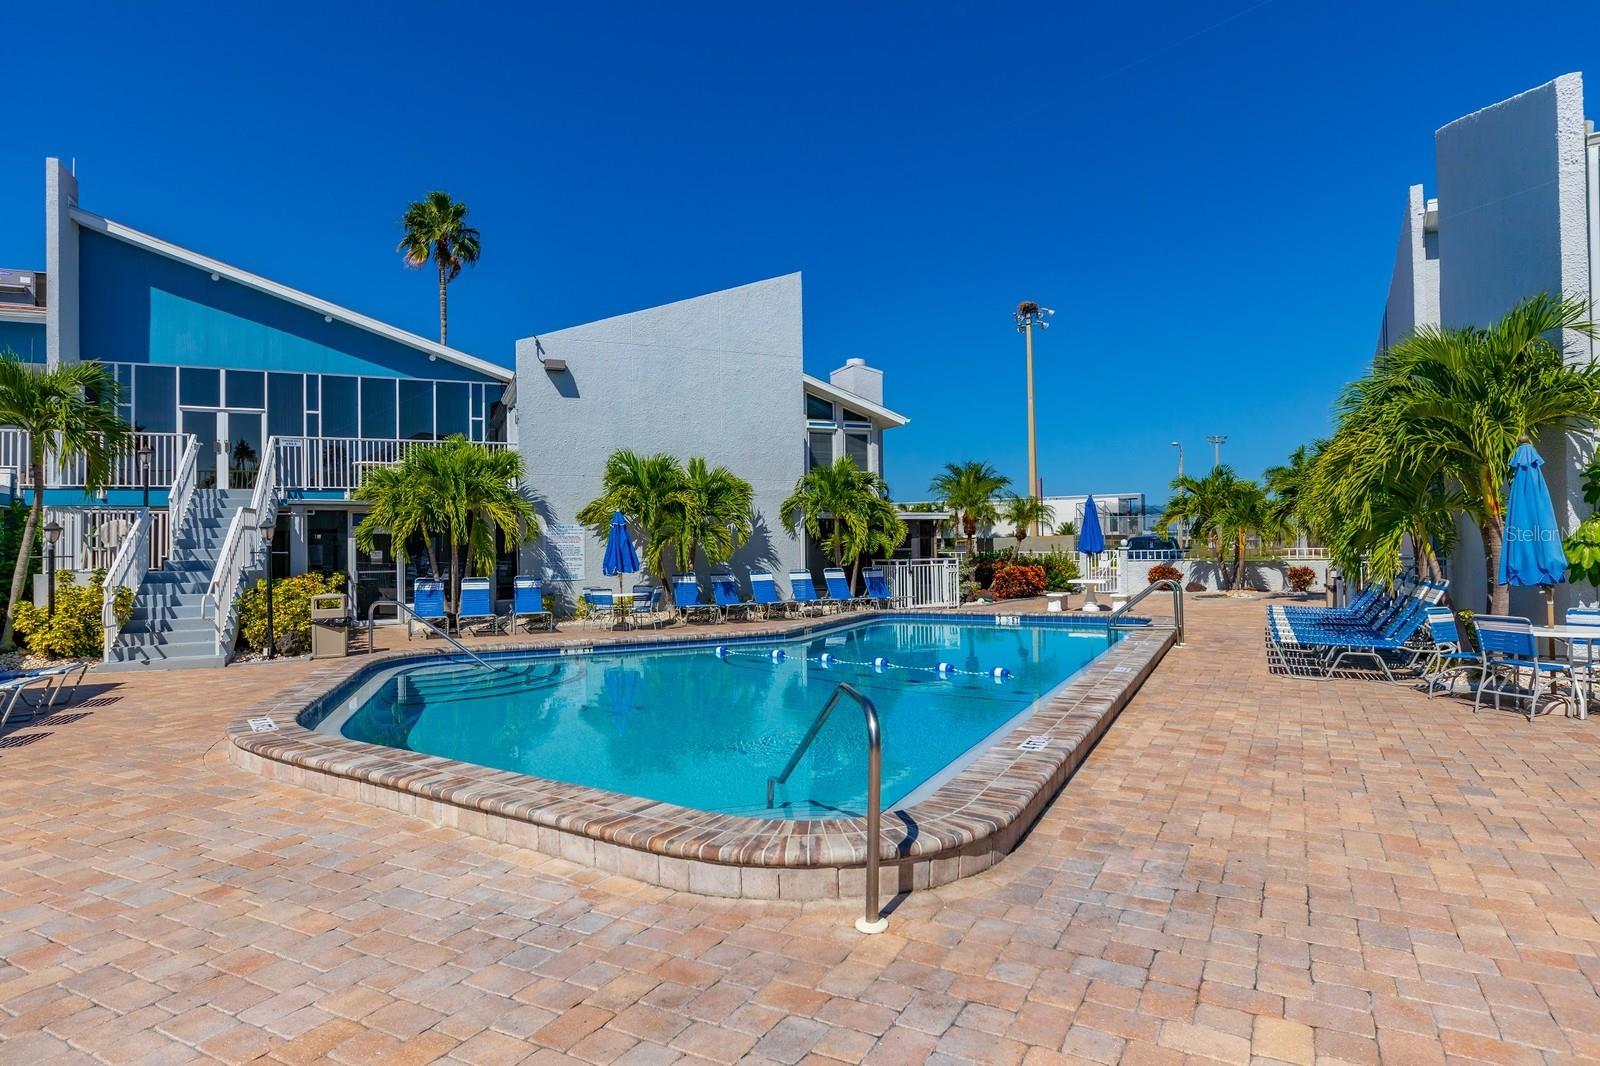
(820, 450)
(155, 399)
(339, 407)
(199, 387)
(246, 388)
(858, 419)
(856, 446)
(818, 409)
(416, 410)
(476, 406)
(452, 408)
(377, 407)
(286, 405)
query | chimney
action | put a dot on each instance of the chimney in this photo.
(857, 377)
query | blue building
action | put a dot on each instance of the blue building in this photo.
(251, 402)
(258, 408)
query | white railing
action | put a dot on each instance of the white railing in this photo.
(184, 479)
(126, 470)
(240, 547)
(14, 452)
(91, 537)
(127, 570)
(924, 582)
(341, 463)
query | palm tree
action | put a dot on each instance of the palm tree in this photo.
(1247, 510)
(1025, 512)
(846, 508)
(457, 488)
(1451, 405)
(67, 411)
(436, 228)
(714, 513)
(1288, 485)
(1199, 502)
(969, 489)
(647, 490)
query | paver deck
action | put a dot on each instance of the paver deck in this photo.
(1247, 868)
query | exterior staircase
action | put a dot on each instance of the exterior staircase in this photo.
(170, 627)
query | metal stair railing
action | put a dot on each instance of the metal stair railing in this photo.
(405, 609)
(184, 477)
(1166, 584)
(871, 921)
(127, 570)
(239, 547)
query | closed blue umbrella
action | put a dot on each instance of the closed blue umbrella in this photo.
(620, 557)
(1530, 553)
(1090, 540)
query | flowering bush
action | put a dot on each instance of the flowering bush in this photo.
(1060, 571)
(1301, 578)
(75, 630)
(1164, 572)
(291, 610)
(1017, 581)
(986, 564)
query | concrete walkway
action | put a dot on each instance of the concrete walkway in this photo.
(1248, 868)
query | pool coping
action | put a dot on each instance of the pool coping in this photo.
(966, 825)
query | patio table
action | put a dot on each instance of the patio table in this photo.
(1570, 635)
(1091, 602)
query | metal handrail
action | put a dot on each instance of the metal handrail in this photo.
(1176, 588)
(462, 648)
(872, 922)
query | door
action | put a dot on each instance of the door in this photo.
(230, 447)
(377, 576)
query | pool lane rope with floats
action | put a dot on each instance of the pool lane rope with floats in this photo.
(878, 664)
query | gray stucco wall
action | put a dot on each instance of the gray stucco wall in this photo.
(718, 376)
(1414, 285)
(1513, 222)
(60, 264)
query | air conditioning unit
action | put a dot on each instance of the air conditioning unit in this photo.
(17, 287)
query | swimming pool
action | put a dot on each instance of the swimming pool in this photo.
(704, 726)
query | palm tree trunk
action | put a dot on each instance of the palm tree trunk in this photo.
(19, 573)
(1499, 595)
(454, 591)
(444, 300)
(1238, 562)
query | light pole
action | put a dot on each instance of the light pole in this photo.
(1217, 441)
(1179, 445)
(268, 528)
(144, 453)
(52, 533)
(1026, 315)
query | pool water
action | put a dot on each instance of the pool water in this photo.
(705, 728)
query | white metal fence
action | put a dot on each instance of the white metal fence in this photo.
(341, 463)
(90, 536)
(923, 582)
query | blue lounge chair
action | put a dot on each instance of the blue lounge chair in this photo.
(725, 593)
(1449, 655)
(645, 605)
(804, 591)
(686, 594)
(1507, 642)
(477, 604)
(54, 680)
(839, 589)
(427, 603)
(878, 591)
(527, 602)
(764, 591)
(1306, 648)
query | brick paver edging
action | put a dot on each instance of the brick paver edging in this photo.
(966, 825)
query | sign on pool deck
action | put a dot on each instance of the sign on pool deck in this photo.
(563, 552)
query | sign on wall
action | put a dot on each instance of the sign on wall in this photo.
(563, 551)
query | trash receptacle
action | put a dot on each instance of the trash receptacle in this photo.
(330, 625)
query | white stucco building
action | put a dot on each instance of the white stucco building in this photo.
(1516, 212)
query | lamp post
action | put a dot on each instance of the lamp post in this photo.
(1027, 315)
(1179, 445)
(144, 452)
(52, 533)
(1217, 441)
(268, 528)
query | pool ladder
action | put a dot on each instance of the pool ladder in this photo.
(872, 921)
(1167, 584)
(405, 609)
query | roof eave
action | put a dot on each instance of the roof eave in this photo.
(877, 411)
(129, 235)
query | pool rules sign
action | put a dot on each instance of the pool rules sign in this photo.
(563, 551)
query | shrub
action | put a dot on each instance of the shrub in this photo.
(1301, 578)
(1060, 571)
(12, 518)
(1194, 586)
(75, 630)
(986, 564)
(1018, 580)
(1163, 572)
(291, 610)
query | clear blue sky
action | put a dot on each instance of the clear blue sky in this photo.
(1209, 192)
